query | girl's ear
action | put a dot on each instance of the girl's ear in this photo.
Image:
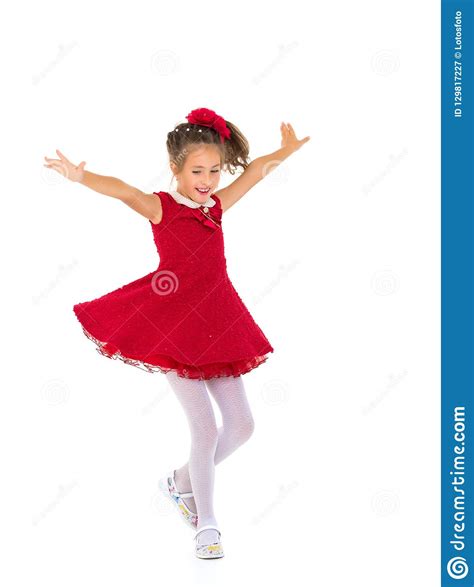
(173, 167)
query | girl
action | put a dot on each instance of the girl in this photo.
(186, 319)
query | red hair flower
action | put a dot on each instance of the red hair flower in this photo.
(206, 117)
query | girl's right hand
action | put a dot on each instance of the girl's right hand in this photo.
(65, 167)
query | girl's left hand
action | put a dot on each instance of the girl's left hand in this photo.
(288, 137)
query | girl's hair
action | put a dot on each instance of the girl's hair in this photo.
(234, 152)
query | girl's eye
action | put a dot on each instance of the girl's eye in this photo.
(213, 171)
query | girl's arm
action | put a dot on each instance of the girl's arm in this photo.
(109, 186)
(260, 168)
(147, 205)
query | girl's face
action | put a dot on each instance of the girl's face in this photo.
(202, 169)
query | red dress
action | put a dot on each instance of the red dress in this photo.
(186, 315)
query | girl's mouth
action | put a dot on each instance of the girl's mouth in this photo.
(202, 191)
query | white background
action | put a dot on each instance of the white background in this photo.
(336, 254)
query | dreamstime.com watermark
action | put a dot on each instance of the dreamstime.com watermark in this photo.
(64, 491)
(283, 272)
(394, 161)
(283, 50)
(457, 566)
(64, 50)
(63, 271)
(163, 394)
(394, 380)
(284, 491)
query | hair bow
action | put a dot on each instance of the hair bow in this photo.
(206, 117)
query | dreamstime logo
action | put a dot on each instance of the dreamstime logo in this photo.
(164, 62)
(52, 177)
(385, 62)
(384, 283)
(385, 503)
(164, 282)
(55, 392)
(457, 567)
(275, 392)
(275, 172)
(161, 504)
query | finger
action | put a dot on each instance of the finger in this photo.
(58, 167)
(63, 158)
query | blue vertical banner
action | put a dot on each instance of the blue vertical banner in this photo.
(457, 294)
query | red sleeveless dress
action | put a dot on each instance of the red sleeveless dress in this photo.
(186, 315)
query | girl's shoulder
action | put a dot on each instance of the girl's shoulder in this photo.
(161, 200)
(217, 199)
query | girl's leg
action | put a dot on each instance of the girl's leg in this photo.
(193, 396)
(237, 426)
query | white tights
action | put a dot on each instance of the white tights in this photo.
(210, 445)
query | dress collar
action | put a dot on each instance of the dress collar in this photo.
(190, 203)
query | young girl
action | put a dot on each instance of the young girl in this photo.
(185, 319)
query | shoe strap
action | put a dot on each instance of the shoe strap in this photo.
(189, 494)
(207, 527)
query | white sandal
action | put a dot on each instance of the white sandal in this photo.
(213, 550)
(168, 487)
